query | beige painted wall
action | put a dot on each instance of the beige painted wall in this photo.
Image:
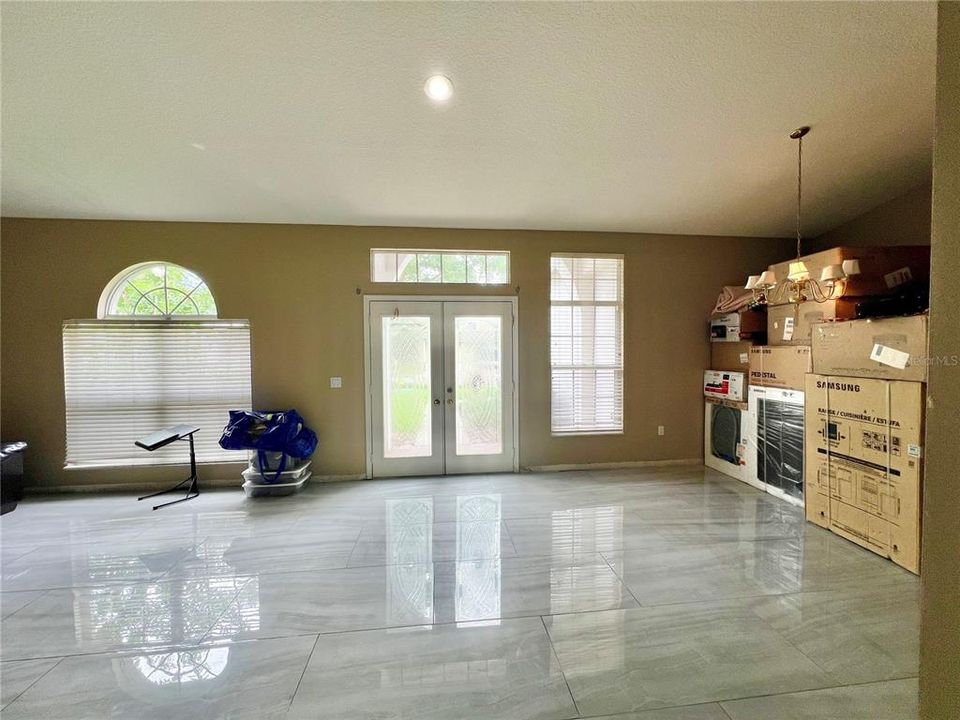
(299, 285)
(940, 641)
(905, 220)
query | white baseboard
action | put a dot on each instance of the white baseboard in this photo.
(205, 484)
(234, 483)
(123, 487)
(614, 465)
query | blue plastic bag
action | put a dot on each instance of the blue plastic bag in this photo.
(283, 432)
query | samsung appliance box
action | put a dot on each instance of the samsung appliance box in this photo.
(864, 462)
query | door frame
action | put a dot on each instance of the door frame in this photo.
(368, 379)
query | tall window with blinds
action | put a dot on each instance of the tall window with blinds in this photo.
(156, 356)
(125, 379)
(586, 343)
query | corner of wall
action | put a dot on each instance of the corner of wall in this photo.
(904, 220)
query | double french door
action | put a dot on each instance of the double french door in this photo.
(441, 387)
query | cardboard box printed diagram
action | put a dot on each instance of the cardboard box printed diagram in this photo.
(863, 465)
(882, 269)
(724, 385)
(783, 366)
(884, 348)
(793, 324)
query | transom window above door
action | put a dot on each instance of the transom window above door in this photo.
(477, 267)
(157, 291)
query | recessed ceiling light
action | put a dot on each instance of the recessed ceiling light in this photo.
(438, 88)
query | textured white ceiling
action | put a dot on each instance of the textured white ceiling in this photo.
(644, 117)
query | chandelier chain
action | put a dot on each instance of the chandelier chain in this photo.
(799, 188)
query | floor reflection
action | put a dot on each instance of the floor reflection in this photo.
(217, 593)
(579, 531)
(145, 614)
(171, 675)
(177, 608)
(243, 615)
(409, 582)
(410, 591)
(478, 594)
(418, 599)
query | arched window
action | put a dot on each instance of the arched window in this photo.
(157, 355)
(157, 291)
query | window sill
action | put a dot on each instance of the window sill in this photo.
(143, 464)
(582, 433)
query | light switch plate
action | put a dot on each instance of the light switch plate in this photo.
(336, 382)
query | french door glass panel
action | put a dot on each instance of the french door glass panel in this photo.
(405, 353)
(406, 387)
(442, 395)
(479, 385)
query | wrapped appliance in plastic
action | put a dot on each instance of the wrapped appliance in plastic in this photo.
(773, 433)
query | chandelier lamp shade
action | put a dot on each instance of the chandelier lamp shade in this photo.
(798, 286)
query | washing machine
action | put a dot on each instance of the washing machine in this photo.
(724, 440)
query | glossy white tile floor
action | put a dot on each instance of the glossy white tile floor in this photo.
(669, 594)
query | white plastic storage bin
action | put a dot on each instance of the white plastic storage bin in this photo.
(253, 490)
(252, 474)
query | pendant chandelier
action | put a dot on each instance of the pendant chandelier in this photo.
(798, 286)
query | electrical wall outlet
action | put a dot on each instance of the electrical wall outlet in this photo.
(336, 382)
(659, 429)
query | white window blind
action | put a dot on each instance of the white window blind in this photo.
(586, 343)
(125, 379)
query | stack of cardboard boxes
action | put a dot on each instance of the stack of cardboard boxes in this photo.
(831, 406)
(774, 435)
(732, 337)
(759, 387)
(864, 438)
